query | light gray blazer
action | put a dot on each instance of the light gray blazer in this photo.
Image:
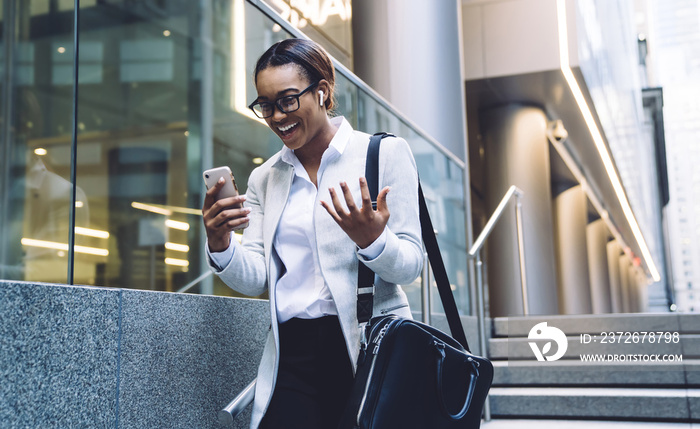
(255, 266)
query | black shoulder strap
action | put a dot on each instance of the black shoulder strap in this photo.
(365, 279)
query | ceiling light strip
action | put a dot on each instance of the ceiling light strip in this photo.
(63, 246)
(91, 232)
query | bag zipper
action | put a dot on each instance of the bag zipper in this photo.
(390, 309)
(377, 342)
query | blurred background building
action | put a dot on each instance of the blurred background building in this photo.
(671, 32)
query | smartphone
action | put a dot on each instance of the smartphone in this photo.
(230, 189)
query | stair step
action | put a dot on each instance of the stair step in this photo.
(596, 403)
(566, 373)
(518, 348)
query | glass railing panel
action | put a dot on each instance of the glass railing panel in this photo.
(442, 180)
(36, 72)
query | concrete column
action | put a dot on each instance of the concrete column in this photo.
(598, 272)
(517, 153)
(570, 219)
(625, 283)
(633, 289)
(642, 292)
(409, 52)
(614, 251)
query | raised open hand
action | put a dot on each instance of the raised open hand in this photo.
(362, 224)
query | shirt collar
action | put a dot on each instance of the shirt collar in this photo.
(336, 147)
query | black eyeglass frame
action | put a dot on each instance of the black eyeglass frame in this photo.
(277, 103)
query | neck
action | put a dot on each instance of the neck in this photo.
(310, 154)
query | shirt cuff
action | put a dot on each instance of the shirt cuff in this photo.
(220, 260)
(375, 249)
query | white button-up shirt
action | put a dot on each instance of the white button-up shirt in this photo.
(301, 291)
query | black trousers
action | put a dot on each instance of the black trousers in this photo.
(314, 378)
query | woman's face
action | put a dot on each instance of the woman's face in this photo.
(297, 128)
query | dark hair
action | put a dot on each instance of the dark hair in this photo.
(311, 59)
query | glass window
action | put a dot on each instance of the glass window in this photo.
(35, 187)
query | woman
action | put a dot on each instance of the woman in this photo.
(310, 222)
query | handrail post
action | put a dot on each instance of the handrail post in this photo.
(481, 320)
(521, 251)
(475, 253)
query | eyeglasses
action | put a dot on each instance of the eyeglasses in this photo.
(286, 104)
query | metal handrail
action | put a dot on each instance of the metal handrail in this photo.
(475, 253)
(516, 192)
(194, 282)
(239, 403)
(479, 242)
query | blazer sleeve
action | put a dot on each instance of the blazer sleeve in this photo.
(247, 272)
(401, 260)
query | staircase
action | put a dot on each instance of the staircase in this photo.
(569, 388)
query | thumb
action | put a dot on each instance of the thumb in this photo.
(381, 200)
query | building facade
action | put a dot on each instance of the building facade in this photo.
(673, 30)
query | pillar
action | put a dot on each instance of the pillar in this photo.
(625, 283)
(598, 272)
(642, 292)
(409, 52)
(614, 251)
(517, 153)
(570, 219)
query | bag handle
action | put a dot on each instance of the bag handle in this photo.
(471, 386)
(365, 276)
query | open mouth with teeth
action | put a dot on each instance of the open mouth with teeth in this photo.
(287, 129)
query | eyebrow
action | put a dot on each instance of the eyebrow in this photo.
(279, 94)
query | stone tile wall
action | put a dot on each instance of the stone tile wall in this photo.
(74, 356)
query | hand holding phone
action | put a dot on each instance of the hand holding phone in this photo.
(220, 218)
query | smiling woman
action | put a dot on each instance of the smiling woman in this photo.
(305, 239)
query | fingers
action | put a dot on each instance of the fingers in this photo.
(331, 211)
(232, 218)
(337, 205)
(338, 211)
(349, 200)
(210, 196)
(364, 191)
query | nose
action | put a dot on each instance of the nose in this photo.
(278, 114)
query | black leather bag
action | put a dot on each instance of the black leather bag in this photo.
(411, 375)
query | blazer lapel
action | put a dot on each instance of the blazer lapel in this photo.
(277, 192)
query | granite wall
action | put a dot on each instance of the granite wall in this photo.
(75, 356)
